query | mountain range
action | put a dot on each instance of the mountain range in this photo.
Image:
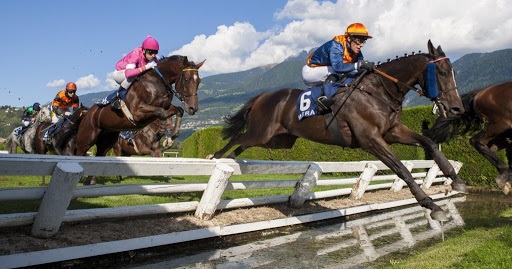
(221, 95)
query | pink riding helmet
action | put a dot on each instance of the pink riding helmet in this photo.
(150, 43)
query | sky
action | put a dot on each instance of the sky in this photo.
(46, 44)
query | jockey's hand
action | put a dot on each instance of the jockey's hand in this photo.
(150, 65)
(67, 114)
(367, 65)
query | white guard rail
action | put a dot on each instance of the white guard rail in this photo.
(65, 172)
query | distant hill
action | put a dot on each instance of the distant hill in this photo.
(221, 95)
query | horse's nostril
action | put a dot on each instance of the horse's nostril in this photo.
(456, 111)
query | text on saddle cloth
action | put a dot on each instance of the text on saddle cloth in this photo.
(307, 101)
(127, 134)
(108, 99)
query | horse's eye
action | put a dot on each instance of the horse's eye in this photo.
(442, 73)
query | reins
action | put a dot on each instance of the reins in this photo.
(395, 80)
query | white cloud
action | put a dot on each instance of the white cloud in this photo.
(226, 50)
(398, 26)
(56, 83)
(87, 82)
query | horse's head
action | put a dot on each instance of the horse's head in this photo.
(44, 114)
(187, 84)
(185, 75)
(439, 83)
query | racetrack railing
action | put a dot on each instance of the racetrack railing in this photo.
(66, 171)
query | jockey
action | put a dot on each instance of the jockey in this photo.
(64, 101)
(337, 60)
(141, 59)
(29, 114)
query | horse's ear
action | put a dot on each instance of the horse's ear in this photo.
(431, 49)
(440, 50)
(200, 64)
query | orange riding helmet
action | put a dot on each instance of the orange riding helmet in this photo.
(71, 86)
(357, 29)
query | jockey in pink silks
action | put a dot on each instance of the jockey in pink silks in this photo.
(141, 59)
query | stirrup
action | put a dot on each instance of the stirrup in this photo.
(324, 104)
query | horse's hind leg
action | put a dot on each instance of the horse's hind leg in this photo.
(229, 145)
(480, 142)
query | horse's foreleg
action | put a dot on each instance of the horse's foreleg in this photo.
(380, 149)
(403, 135)
(177, 124)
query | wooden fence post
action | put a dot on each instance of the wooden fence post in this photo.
(431, 174)
(399, 183)
(304, 186)
(363, 181)
(213, 192)
(56, 199)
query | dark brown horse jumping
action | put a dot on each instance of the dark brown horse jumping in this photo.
(63, 142)
(369, 119)
(145, 141)
(488, 117)
(148, 99)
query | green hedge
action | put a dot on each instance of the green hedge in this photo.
(475, 170)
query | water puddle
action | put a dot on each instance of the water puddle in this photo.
(358, 243)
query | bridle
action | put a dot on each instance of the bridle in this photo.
(180, 78)
(434, 99)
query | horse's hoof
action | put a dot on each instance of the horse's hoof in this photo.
(506, 188)
(501, 180)
(459, 187)
(438, 215)
(209, 157)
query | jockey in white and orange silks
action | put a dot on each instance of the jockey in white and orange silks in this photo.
(141, 59)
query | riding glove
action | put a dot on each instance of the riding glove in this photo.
(367, 65)
(150, 65)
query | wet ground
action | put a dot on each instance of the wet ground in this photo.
(365, 242)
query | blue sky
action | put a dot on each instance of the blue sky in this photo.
(46, 44)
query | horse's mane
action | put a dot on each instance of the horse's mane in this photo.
(406, 56)
(180, 58)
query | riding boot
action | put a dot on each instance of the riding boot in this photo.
(331, 78)
(116, 101)
(324, 103)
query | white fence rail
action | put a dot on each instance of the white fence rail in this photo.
(65, 172)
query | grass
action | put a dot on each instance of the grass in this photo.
(476, 248)
(484, 242)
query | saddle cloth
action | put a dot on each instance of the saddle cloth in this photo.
(307, 101)
(108, 99)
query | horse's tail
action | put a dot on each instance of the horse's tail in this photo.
(236, 123)
(10, 144)
(447, 128)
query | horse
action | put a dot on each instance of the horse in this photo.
(63, 141)
(488, 118)
(149, 98)
(365, 116)
(145, 141)
(26, 140)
